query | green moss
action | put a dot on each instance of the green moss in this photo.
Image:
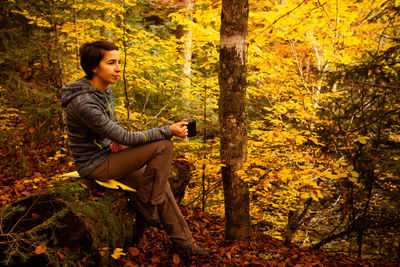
(64, 216)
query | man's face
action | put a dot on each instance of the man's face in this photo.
(108, 70)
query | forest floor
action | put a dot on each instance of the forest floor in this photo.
(208, 232)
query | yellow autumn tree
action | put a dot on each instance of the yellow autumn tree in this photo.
(293, 46)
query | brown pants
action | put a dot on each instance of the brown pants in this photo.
(146, 168)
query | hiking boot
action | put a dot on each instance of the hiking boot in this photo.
(189, 250)
(149, 212)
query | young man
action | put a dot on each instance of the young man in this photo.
(103, 150)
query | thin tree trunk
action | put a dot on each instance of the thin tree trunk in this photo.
(232, 116)
(76, 38)
(107, 33)
(59, 76)
(204, 144)
(294, 222)
(187, 47)
(125, 61)
(184, 35)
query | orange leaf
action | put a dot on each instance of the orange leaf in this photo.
(103, 251)
(176, 259)
(155, 260)
(130, 264)
(83, 185)
(40, 249)
(60, 255)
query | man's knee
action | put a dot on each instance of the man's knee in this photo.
(166, 145)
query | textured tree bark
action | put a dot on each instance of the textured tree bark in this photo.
(232, 116)
(185, 35)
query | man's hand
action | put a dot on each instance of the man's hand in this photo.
(115, 147)
(179, 129)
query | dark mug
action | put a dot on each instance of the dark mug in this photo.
(191, 126)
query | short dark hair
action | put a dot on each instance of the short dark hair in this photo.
(92, 53)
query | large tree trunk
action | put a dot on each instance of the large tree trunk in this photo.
(75, 223)
(232, 116)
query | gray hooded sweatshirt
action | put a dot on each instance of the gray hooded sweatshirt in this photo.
(92, 126)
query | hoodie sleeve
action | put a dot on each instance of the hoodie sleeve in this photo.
(92, 115)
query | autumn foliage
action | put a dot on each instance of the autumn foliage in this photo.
(323, 106)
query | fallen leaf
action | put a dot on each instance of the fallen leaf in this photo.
(133, 251)
(155, 260)
(83, 185)
(176, 259)
(35, 215)
(130, 264)
(103, 250)
(60, 255)
(40, 249)
(118, 253)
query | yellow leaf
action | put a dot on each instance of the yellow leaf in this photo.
(118, 253)
(350, 168)
(240, 173)
(354, 174)
(362, 139)
(314, 195)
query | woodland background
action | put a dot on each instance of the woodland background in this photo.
(323, 105)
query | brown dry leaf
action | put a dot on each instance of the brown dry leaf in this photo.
(130, 264)
(40, 249)
(228, 255)
(176, 259)
(103, 251)
(35, 215)
(133, 251)
(155, 260)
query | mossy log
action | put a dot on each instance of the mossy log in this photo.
(74, 223)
